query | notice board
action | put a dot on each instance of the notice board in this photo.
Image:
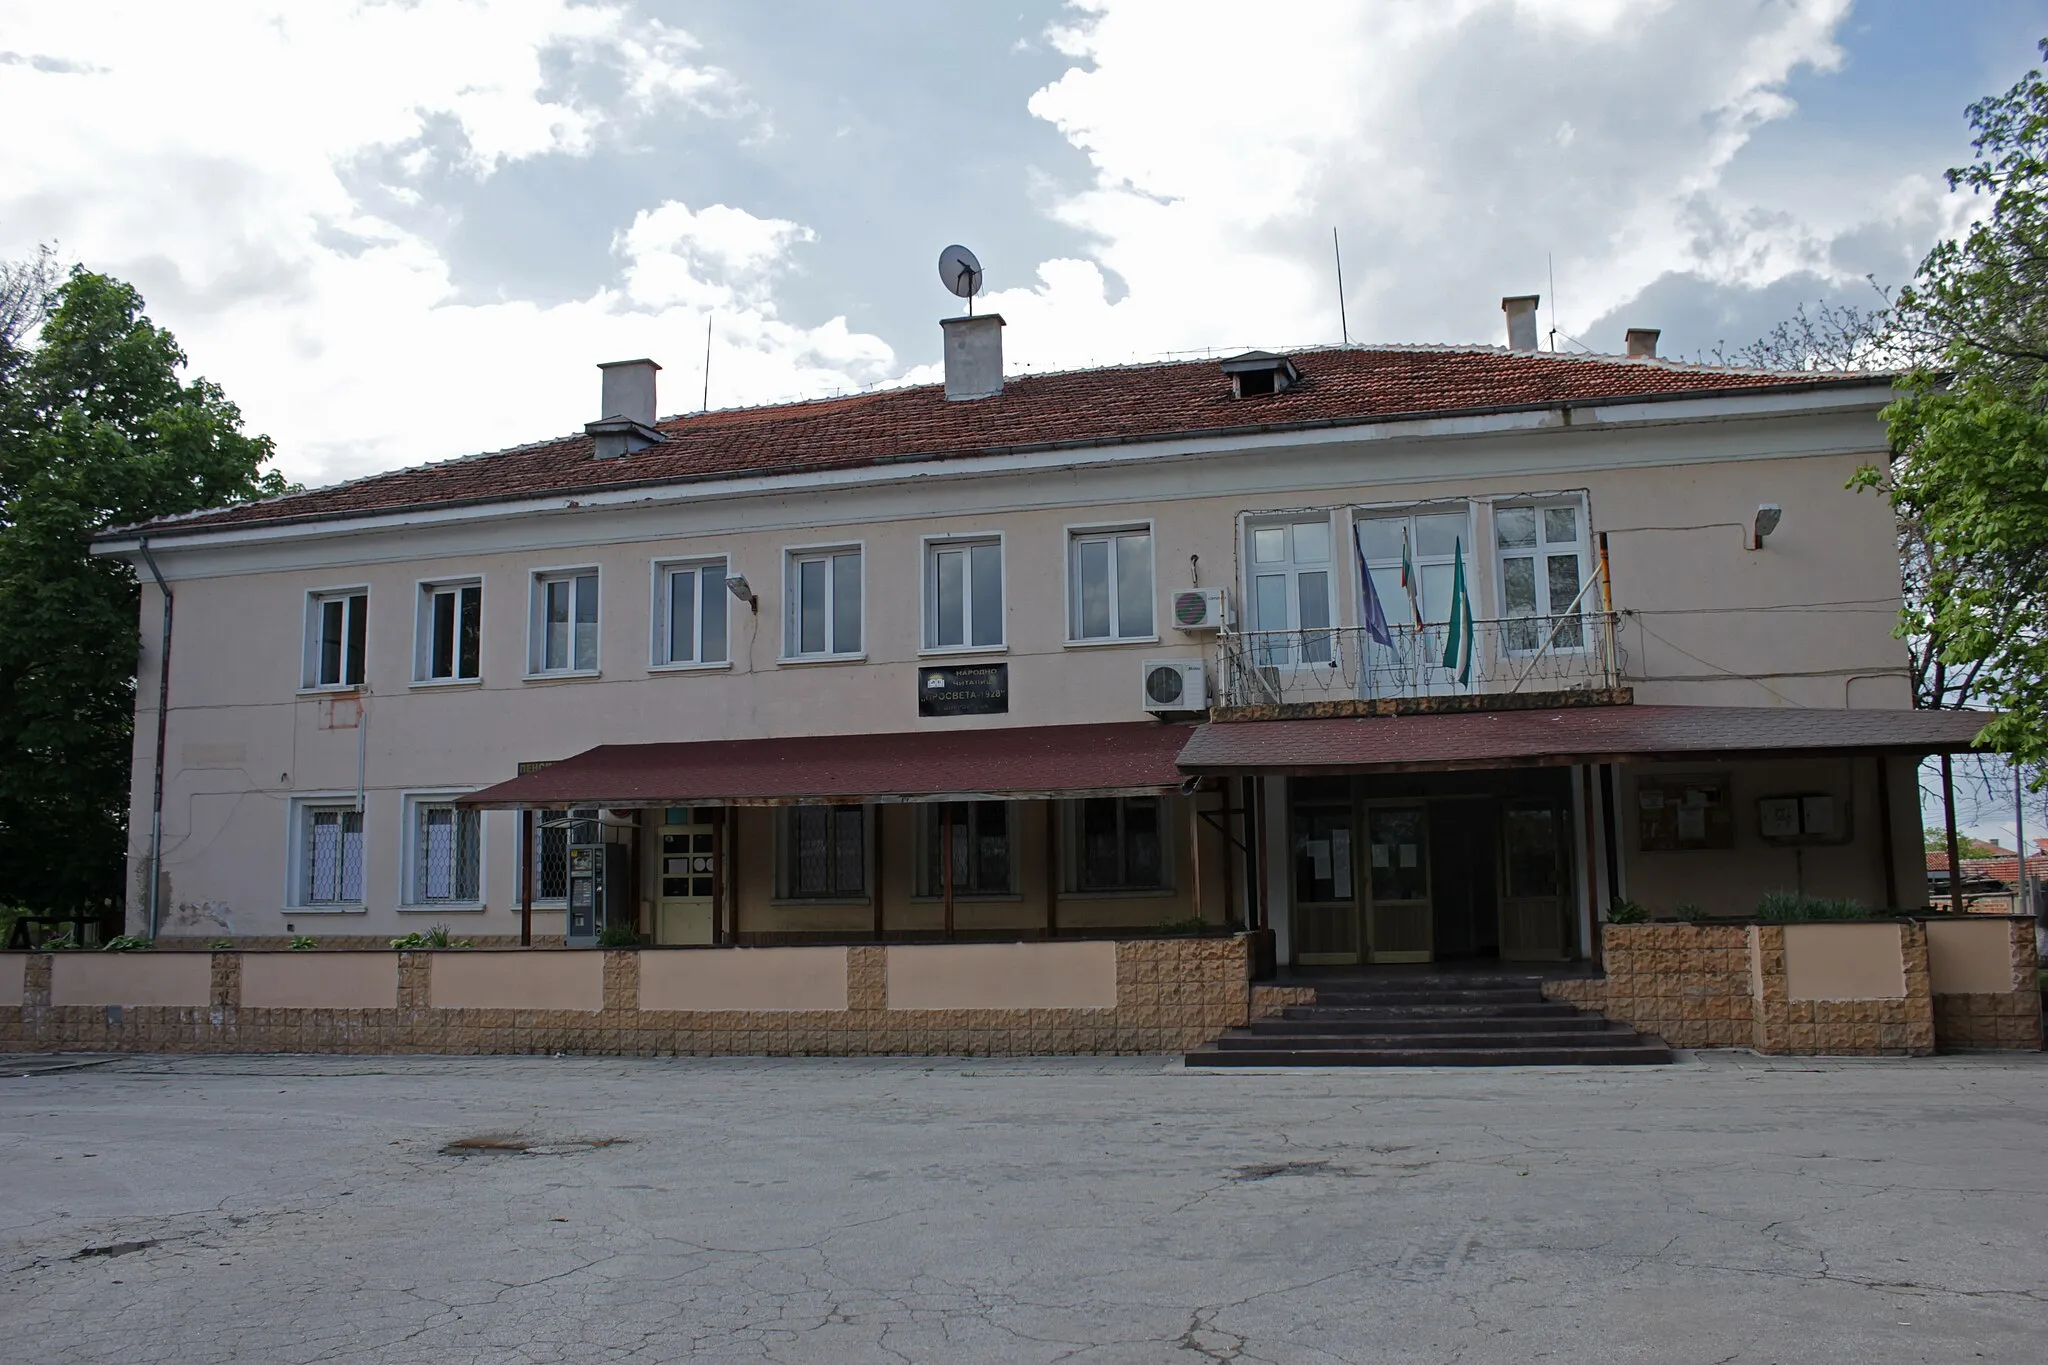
(1684, 812)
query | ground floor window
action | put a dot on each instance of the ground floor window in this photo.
(330, 856)
(982, 842)
(444, 853)
(1119, 844)
(824, 852)
(553, 832)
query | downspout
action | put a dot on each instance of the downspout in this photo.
(163, 717)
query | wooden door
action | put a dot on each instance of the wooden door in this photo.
(1325, 884)
(1536, 880)
(1398, 917)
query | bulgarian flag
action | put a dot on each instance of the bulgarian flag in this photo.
(1408, 583)
(1458, 630)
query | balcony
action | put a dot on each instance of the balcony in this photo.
(1517, 655)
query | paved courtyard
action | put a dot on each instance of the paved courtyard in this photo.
(294, 1210)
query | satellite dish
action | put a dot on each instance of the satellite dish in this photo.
(960, 271)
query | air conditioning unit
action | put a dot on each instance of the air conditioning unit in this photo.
(1175, 685)
(1201, 609)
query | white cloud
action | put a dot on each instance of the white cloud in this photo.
(209, 162)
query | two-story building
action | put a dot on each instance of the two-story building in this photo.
(1402, 653)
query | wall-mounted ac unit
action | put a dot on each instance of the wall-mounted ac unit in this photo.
(1201, 609)
(1175, 685)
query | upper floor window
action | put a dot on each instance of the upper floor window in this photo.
(337, 629)
(1109, 578)
(981, 840)
(1542, 575)
(689, 613)
(448, 635)
(824, 852)
(563, 633)
(1290, 589)
(822, 590)
(963, 594)
(1413, 558)
(443, 852)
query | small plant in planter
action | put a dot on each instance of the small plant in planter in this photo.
(302, 944)
(126, 943)
(618, 936)
(1796, 907)
(1688, 912)
(1622, 910)
(440, 936)
(1193, 924)
(59, 942)
(221, 945)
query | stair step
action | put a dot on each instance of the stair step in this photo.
(1612, 1036)
(1645, 1052)
(1504, 996)
(1531, 1009)
(1457, 1023)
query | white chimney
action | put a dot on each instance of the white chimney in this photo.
(627, 423)
(1521, 311)
(974, 356)
(1642, 343)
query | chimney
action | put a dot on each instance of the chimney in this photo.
(1521, 311)
(628, 404)
(1642, 343)
(974, 356)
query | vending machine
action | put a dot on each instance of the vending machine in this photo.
(600, 893)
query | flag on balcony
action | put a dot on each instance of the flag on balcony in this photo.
(1458, 630)
(1408, 583)
(1375, 614)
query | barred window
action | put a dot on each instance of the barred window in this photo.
(1118, 844)
(553, 832)
(982, 862)
(446, 854)
(331, 856)
(825, 851)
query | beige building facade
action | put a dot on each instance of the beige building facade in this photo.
(405, 702)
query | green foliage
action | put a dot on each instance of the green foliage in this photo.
(303, 944)
(1969, 474)
(1935, 840)
(618, 936)
(97, 430)
(127, 943)
(1687, 912)
(1193, 924)
(1622, 910)
(1795, 907)
(221, 945)
(440, 936)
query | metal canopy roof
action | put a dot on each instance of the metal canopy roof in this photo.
(1008, 762)
(1592, 734)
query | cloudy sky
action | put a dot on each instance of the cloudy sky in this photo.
(399, 230)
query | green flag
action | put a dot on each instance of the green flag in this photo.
(1458, 630)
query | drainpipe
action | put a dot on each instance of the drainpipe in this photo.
(163, 716)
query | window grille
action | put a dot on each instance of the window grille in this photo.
(334, 857)
(446, 865)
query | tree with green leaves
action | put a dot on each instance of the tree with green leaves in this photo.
(1969, 473)
(97, 430)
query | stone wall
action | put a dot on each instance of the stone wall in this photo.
(1686, 983)
(1872, 1025)
(1992, 1019)
(1170, 995)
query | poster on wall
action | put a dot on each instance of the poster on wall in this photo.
(1675, 813)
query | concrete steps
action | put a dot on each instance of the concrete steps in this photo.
(1433, 1021)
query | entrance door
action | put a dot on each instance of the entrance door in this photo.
(689, 870)
(1536, 876)
(1464, 875)
(1325, 894)
(1398, 927)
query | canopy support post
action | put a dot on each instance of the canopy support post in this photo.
(1052, 869)
(946, 862)
(1955, 850)
(526, 879)
(881, 868)
(1884, 832)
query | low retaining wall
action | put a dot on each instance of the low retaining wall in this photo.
(1133, 996)
(1873, 988)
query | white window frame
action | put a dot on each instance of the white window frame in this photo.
(1477, 575)
(298, 871)
(536, 623)
(1071, 853)
(928, 585)
(785, 850)
(659, 660)
(926, 833)
(309, 657)
(425, 593)
(1314, 649)
(409, 853)
(793, 558)
(1541, 553)
(1111, 532)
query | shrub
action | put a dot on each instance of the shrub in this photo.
(303, 944)
(126, 943)
(440, 936)
(1622, 910)
(1796, 907)
(221, 945)
(618, 936)
(1193, 924)
(1688, 912)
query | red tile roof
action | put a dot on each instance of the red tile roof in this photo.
(1125, 757)
(1496, 739)
(1076, 408)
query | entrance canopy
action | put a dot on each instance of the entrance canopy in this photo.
(1591, 734)
(1009, 763)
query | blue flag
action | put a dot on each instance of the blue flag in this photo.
(1375, 614)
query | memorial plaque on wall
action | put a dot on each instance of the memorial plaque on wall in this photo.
(966, 690)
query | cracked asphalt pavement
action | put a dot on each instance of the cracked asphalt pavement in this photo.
(318, 1209)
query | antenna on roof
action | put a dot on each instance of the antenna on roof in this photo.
(707, 362)
(1550, 264)
(961, 273)
(1342, 321)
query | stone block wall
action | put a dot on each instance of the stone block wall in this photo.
(1986, 1019)
(1900, 1025)
(1686, 983)
(1171, 994)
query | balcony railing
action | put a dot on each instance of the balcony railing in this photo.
(1515, 654)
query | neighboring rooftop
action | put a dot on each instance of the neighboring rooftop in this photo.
(1077, 408)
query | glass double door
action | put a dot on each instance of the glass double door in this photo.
(688, 875)
(1397, 881)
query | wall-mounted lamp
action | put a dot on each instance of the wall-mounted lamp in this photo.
(736, 584)
(1767, 518)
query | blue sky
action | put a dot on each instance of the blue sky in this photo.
(401, 230)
